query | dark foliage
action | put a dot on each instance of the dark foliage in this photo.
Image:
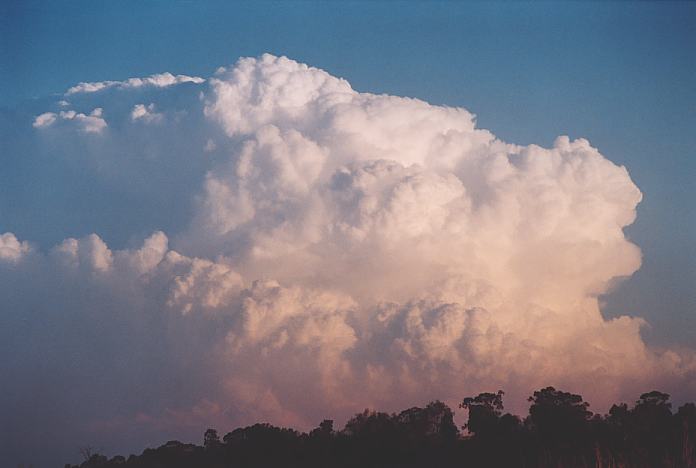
(559, 431)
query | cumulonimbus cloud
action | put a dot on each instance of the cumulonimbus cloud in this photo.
(349, 249)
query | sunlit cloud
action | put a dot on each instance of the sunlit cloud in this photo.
(344, 250)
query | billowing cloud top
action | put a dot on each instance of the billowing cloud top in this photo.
(345, 250)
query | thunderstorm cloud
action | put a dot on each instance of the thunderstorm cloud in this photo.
(326, 250)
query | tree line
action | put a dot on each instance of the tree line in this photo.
(559, 431)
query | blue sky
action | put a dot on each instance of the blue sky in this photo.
(620, 74)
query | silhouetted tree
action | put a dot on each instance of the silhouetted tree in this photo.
(558, 416)
(86, 452)
(484, 411)
(326, 427)
(685, 420)
(560, 431)
(436, 420)
(560, 421)
(491, 429)
(651, 426)
(211, 440)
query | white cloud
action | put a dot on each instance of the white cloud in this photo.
(11, 250)
(206, 286)
(145, 113)
(90, 253)
(44, 120)
(160, 80)
(92, 123)
(489, 250)
(347, 249)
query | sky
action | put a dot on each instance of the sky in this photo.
(160, 235)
